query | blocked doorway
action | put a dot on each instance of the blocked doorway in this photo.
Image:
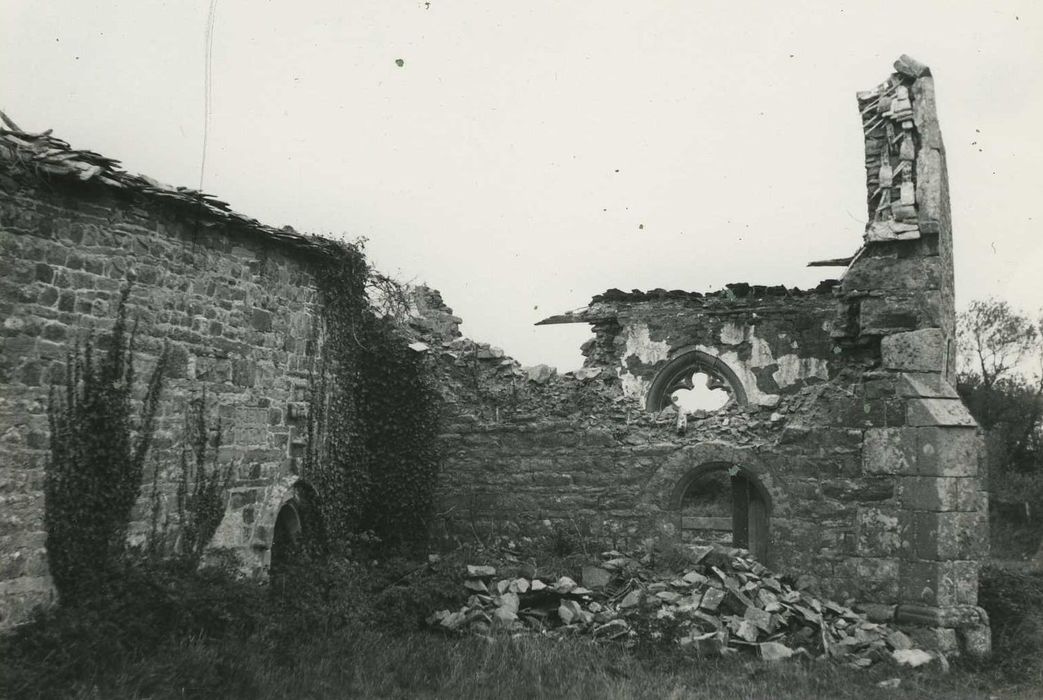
(724, 504)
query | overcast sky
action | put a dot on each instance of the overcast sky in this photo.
(527, 155)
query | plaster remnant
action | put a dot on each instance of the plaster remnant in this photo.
(793, 369)
(640, 344)
(733, 333)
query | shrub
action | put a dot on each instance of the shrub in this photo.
(1014, 602)
(141, 610)
(94, 473)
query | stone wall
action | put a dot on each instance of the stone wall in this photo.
(859, 463)
(582, 452)
(843, 415)
(235, 305)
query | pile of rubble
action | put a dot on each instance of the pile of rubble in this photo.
(720, 601)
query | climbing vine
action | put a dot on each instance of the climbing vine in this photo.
(373, 423)
(203, 483)
(93, 475)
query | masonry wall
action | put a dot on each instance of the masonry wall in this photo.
(235, 308)
(853, 426)
(581, 452)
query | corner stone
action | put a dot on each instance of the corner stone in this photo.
(916, 351)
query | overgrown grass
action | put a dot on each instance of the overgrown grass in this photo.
(371, 664)
(344, 630)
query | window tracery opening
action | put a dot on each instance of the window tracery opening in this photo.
(695, 380)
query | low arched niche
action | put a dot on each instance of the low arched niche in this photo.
(288, 516)
(679, 373)
(286, 534)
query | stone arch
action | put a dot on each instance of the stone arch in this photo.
(746, 503)
(287, 514)
(663, 495)
(677, 374)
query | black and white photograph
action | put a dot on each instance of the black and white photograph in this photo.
(680, 350)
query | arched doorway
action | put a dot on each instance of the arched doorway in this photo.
(722, 503)
(295, 534)
(286, 537)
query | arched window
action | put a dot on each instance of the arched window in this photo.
(724, 504)
(695, 380)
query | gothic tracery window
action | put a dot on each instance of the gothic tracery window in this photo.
(695, 380)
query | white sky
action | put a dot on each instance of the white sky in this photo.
(513, 159)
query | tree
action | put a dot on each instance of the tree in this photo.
(997, 344)
(1001, 380)
(1000, 377)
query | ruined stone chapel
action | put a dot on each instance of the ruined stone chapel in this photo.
(842, 455)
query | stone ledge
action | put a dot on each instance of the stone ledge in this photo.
(951, 616)
(925, 385)
(939, 412)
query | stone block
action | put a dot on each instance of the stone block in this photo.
(875, 578)
(244, 372)
(930, 181)
(877, 531)
(969, 495)
(596, 578)
(943, 584)
(938, 493)
(945, 412)
(965, 575)
(878, 612)
(898, 313)
(877, 488)
(927, 582)
(976, 641)
(915, 351)
(941, 639)
(946, 536)
(261, 320)
(883, 269)
(947, 451)
(889, 451)
(242, 497)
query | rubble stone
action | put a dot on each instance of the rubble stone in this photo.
(730, 602)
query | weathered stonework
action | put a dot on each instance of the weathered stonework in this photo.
(848, 459)
(844, 418)
(235, 302)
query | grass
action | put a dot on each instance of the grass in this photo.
(375, 664)
(351, 631)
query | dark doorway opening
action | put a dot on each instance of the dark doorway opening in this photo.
(295, 536)
(286, 539)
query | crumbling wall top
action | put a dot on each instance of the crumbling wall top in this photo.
(43, 154)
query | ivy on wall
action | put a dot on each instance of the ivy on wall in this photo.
(203, 483)
(93, 475)
(371, 451)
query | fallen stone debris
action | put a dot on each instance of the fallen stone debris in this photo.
(722, 601)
